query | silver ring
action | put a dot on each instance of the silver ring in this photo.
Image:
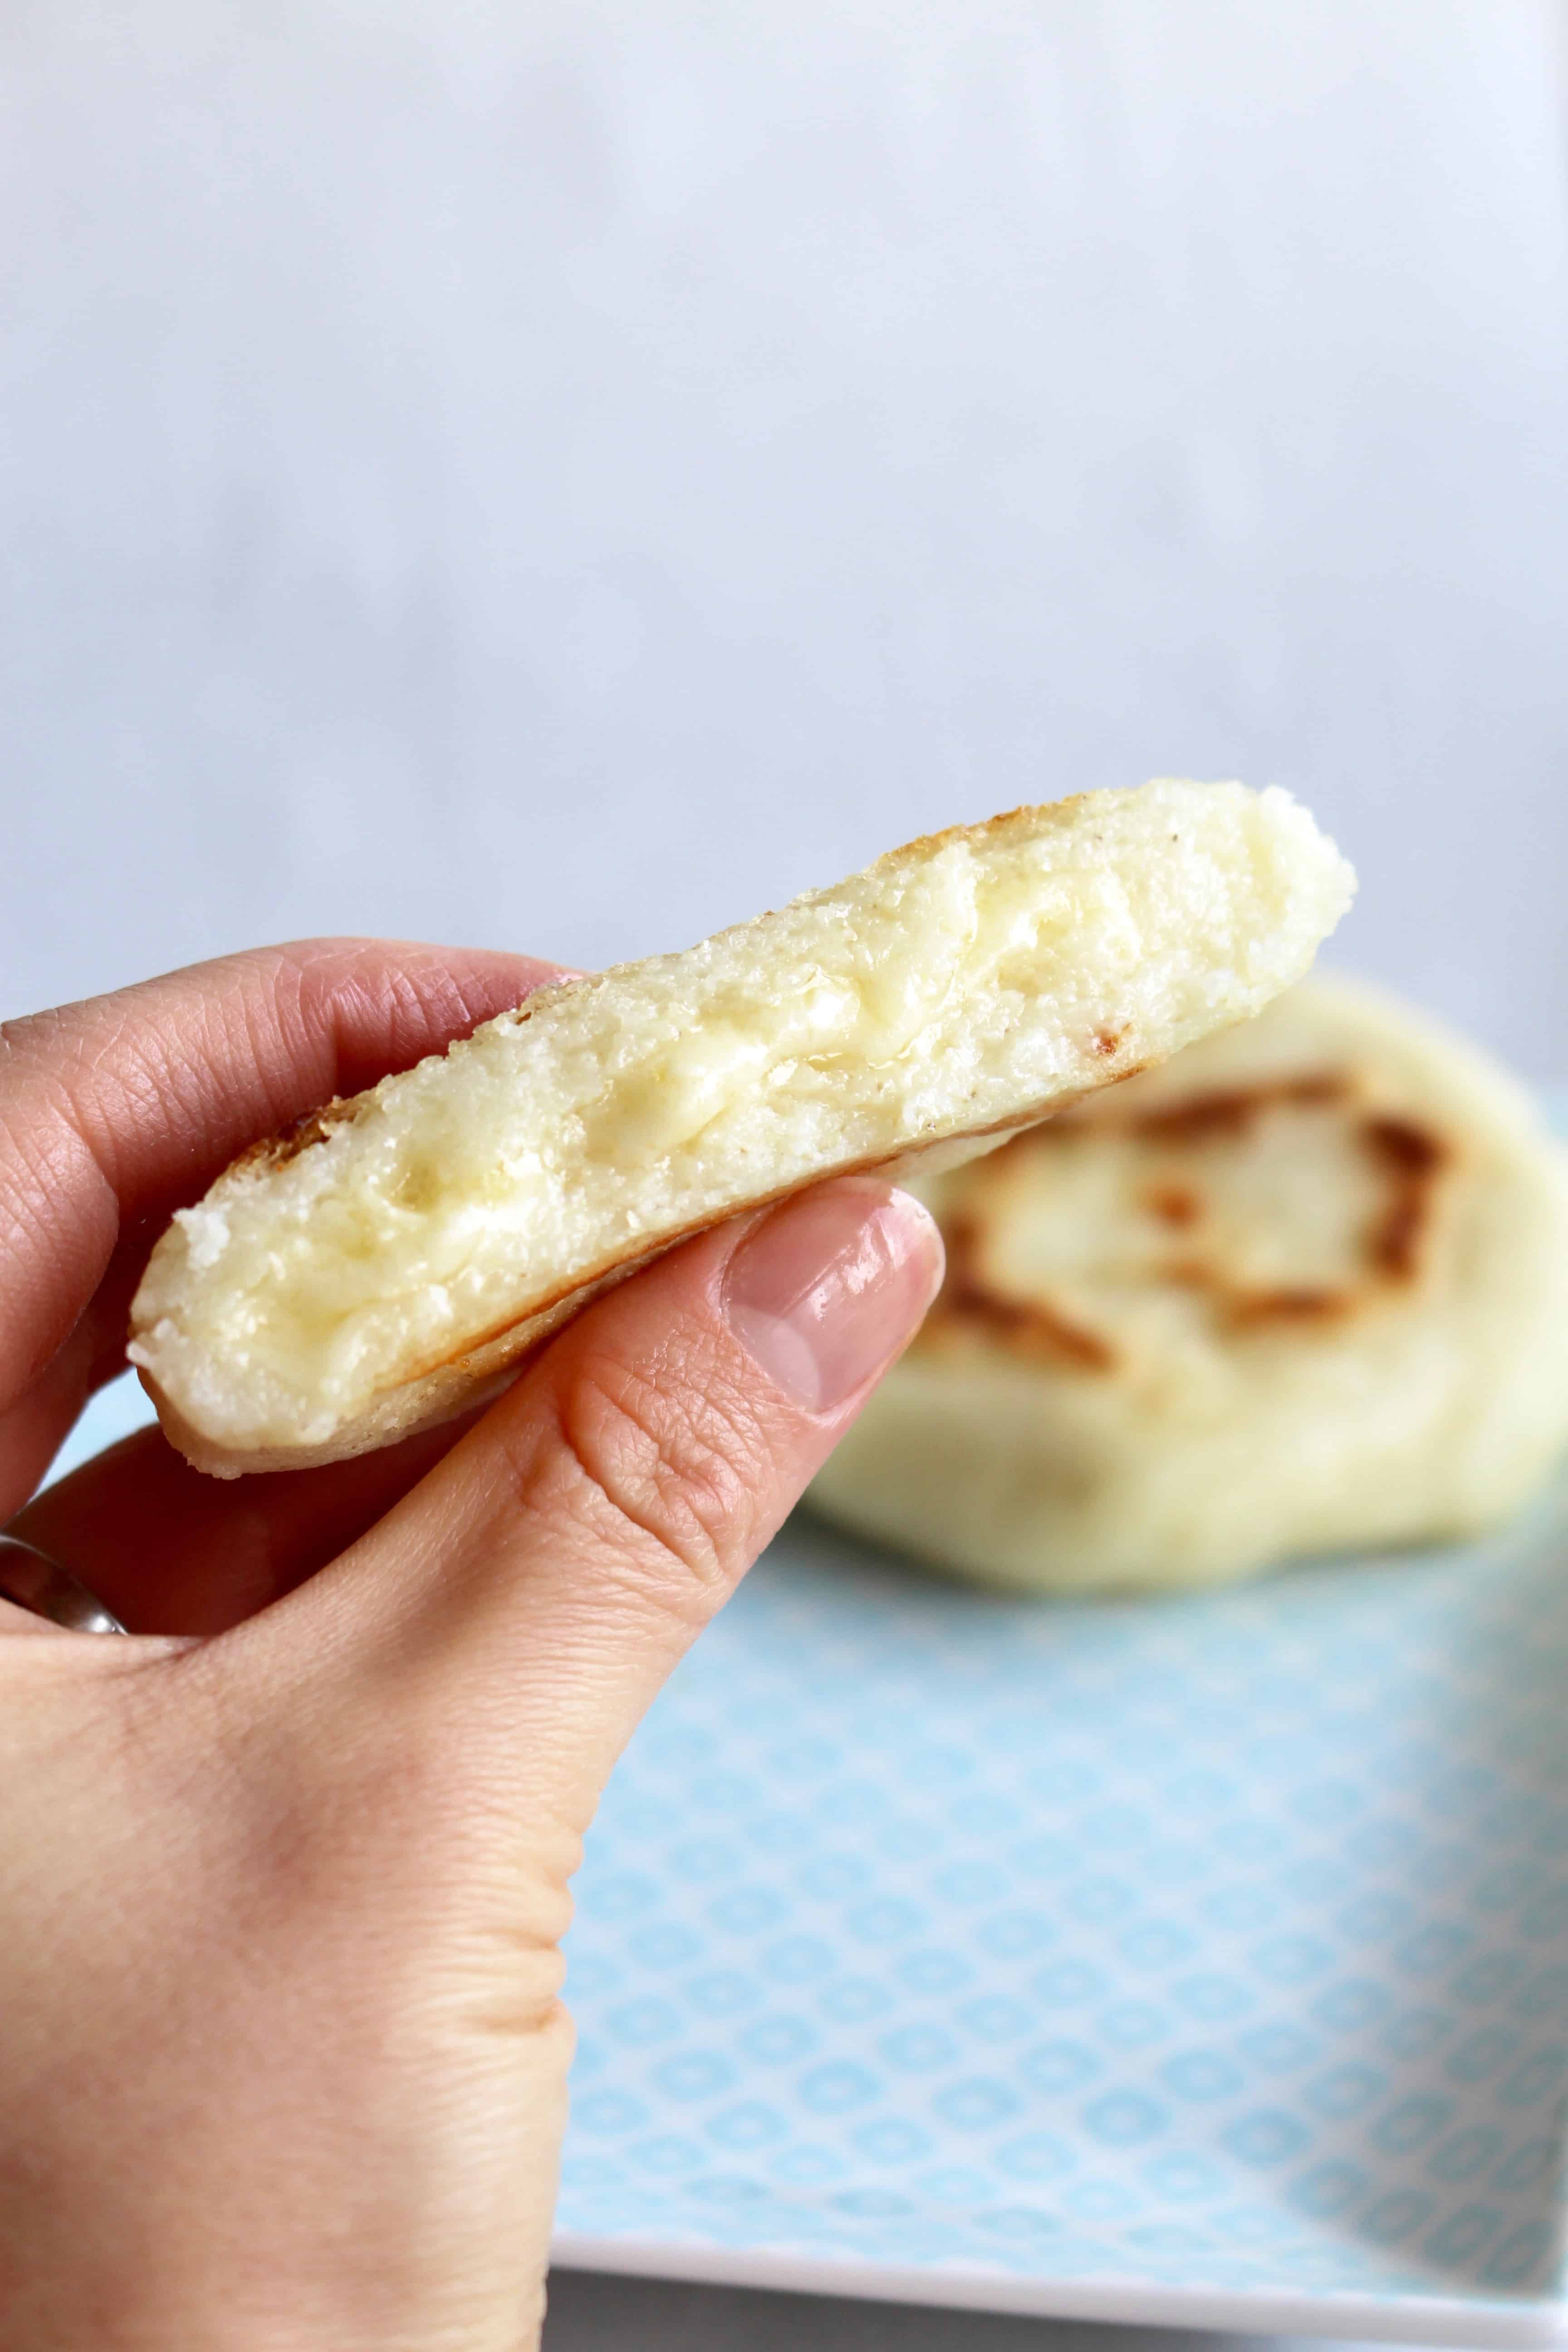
(33, 1581)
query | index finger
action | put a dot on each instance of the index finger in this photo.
(116, 1110)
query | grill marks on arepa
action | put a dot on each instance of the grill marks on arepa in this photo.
(1188, 1147)
(1304, 1289)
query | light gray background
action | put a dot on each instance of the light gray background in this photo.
(569, 474)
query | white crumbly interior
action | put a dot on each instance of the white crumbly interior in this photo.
(953, 986)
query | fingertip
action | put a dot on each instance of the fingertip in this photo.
(831, 1285)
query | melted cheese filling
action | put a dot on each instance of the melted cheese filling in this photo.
(940, 993)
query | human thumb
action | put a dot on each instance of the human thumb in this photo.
(530, 1597)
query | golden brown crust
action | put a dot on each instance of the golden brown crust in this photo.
(1022, 1327)
(1027, 816)
(1409, 1158)
(311, 1128)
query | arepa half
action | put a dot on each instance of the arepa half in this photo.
(385, 1264)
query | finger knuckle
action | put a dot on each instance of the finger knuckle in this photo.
(667, 1468)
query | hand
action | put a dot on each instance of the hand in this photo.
(283, 2060)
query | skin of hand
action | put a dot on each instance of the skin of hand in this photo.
(283, 2057)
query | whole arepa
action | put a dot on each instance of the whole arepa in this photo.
(1302, 1289)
